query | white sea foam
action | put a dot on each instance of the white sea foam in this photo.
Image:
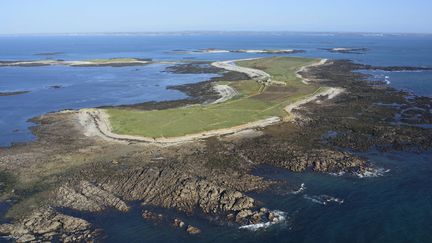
(387, 79)
(372, 172)
(216, 51)
(340, 173)
(255, 227)
(324, 199)
(300, 190)
(279, 217)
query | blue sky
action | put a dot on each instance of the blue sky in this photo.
(72, 16)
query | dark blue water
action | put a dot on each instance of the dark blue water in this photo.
(396, 207)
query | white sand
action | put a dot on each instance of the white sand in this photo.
(256, 74)
(226, 92)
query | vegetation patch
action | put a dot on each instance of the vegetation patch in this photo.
(254, 102)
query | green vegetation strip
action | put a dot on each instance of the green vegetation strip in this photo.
(254, 103)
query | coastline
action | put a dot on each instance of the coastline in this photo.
(304, 69)
(95, 122)
(210, 177)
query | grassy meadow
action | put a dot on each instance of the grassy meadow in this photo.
(254, 103)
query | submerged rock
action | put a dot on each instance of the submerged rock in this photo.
(151, 216)
(193, 230)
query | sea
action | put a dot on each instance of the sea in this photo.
(391, 204)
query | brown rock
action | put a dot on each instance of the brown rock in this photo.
(230, 217)
(85, 196)
(193, 230)
(46, 223)
(26, 238)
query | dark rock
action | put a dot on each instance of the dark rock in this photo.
(178, 223)
(13, 93)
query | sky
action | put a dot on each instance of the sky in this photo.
(84, 16)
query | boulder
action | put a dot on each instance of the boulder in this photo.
(193, 230)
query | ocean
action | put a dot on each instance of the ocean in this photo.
(393, 206)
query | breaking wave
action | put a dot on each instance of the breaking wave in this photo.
(387, 79)
(371, 172)
(300, 190)
(324, 199)
(340, 173)
(278, 218)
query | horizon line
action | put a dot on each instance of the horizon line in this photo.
(119, 33)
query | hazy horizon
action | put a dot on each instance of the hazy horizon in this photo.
(21, 17)
(213, 32)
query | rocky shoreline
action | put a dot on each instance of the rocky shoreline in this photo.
(66, 169)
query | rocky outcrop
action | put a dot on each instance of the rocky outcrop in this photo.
(84, 196)
(172, 188)
(298, 159)
(213, 177)
(46, 224)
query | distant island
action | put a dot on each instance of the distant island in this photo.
(263, 51)
(110, 62)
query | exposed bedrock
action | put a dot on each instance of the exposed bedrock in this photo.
(285, 155)
(84, 196)
(165, 187)
(46, 224)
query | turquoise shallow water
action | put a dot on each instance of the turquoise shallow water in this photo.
(395, 207)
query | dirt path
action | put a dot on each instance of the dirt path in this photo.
(226, 92)
(304, 68)
(329, 92)
(256, 74)
(96, 121)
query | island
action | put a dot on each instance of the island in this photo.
(110, 62)
(346, 50)
(13, 93)
(263, 100)
(257, 51)
(197, 155)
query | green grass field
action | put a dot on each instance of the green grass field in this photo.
(254, 103)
